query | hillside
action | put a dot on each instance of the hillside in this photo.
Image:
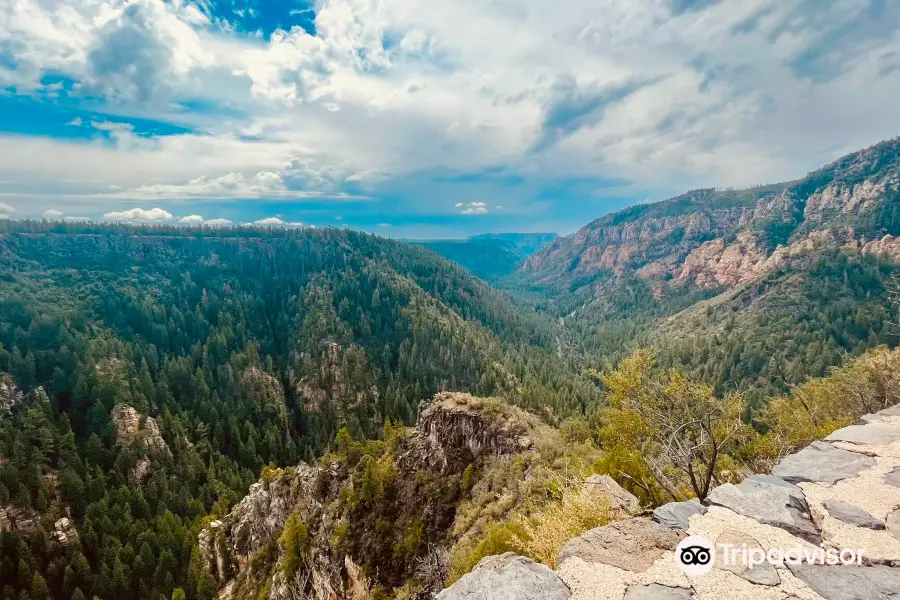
(748, 289)
(149, 374)
(491, 256)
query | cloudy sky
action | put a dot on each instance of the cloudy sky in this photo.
(427, 118)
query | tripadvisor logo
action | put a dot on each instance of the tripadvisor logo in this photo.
(695, 555)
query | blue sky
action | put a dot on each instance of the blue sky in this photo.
(421, 118)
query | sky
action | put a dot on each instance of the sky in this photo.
(427, 118)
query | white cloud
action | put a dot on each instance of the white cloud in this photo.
(472, 208)
(191, 219)
(218, 222)
(139, 214)
(276, 222)
(76, 219)
(52, 214)
(76, 122)
(728, 92)
(6, 208)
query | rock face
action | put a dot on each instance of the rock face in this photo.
(821, 462)
(769, 500)
(458, 428)
(132, 425)
(507, 577)
(717, 238)
(15, 518)
(453, 432)
(632, 545)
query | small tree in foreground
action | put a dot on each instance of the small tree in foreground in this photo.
(679, 431)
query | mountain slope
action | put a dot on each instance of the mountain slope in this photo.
(752, 289)
(148, 374)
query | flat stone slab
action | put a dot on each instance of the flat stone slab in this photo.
(840, 582)
(633, 544)
(874, 434)
(893, 478)
(507, 577)
(852, 515)
(654, 591)
(820, 462)
(764, 574)
(771, 501)
(677, 515)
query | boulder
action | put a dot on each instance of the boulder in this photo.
(507, 577)
(677, 515)
(852, 515)
(654, 591)
(843, 582)
(820, 462)
(633, 544)
(607, 487)
(770, 501)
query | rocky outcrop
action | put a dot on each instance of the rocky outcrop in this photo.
(64, 532)
(459, 428)
(632, 545)
(16, 518)
(266, 391)
(714, 263)
(507, 577)
(10, 394)
(132, 425)
(453, 432)
(608, 488)
(886, 246)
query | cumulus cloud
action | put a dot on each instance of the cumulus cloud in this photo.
(218, 222)
(139, 214)
(276, 222)
(663, 94)
(51, 214)
(472, 208)
(191, 219)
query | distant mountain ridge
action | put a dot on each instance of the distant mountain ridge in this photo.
(709, 238)
(490, 256)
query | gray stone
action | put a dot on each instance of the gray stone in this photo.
(770, 501)
(609, 488)
(821, 462)
(893, 478)
(875, 434)
(633, 544)
(507, 577)
(764, 574)
(677, 515)
(892, 523)
(842, 582)
(852, 514)
(654, 591)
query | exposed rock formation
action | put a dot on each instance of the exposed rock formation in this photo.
(714, 263)
(453, 432)
(64, 531)
(10, 394)
(606, 486)
(16, 518)
(132, 425)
